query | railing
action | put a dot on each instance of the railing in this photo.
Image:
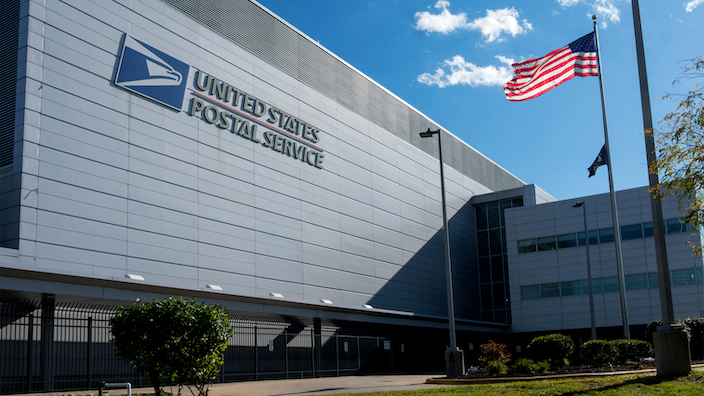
(67, 347)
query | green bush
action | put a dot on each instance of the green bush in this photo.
(599, 352)
(631, 350)
(554, 348)
(543, 367)
(495, 367)
(524, 366)
(178, 339)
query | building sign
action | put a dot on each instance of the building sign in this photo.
(148, 72)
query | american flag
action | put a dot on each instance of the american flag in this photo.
(535, 77)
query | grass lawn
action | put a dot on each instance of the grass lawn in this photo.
(630, 385)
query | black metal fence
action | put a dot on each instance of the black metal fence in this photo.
(58, 347)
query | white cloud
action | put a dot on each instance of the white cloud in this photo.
(691, 5)
(492, 26)
(458, 71)
(500, 21)
(605, 9)
(567, 3)
(444, 23)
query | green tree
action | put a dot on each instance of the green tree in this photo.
(680, 146)
(180, 340)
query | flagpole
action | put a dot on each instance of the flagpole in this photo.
(614, 212)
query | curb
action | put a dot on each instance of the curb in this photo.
(493, 380)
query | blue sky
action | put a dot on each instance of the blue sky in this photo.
(450, 59)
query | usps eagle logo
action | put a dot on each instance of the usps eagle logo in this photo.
(146, 71)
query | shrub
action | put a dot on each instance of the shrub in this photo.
(495, 367)
(543, 367)
(555, 348)
(524, 366)
(493, 351)
(599, 352)
(631, 350)
(178, 339)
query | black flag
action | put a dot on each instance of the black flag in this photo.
(599, 161)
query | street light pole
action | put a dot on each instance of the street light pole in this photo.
(583, 205)
(453, 356)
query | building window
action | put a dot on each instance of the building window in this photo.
(597, 286)
(610, 284)
(606, 235)
(648, 230)
(566, 241)
(549, 290)
(530, 292)
(526, 246)
(629, 232)
(593, 238)
(683, 277)
(493, 266)
(572, 288)
(546, 243)
(635, 282)
(653, 280)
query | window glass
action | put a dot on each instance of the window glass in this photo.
(495, 241)
(546, 243)
(653, 280)
(526, 246)
(629, 232)
(566, 241)
(503, 205)
(573, 288)
(483, 243)
(683, 277)
(516, 202)
(673, 226)
(497, 268)
(484, 270)
(530, 292)
(486, 296)
(482, 221)
(596, 286)
(635, 282)
(647, 230)
(549, 290)
(593, 239)
(493, 213)
(606, 235)
(500, 316)
(499, 297)
(700, 275)
(610, 284)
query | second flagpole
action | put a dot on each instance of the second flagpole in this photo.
(614, 212)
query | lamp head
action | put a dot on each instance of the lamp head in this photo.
(428, 133)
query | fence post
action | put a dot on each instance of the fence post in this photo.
(337, 355)
(359, 356)
(47, 341)
(256, 354)
(286, 352)
(312, 352)
(89, 347)
(30, 344)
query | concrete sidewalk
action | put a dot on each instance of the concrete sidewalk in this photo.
(310, 386)
(327, 386)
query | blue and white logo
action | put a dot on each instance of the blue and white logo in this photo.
(149, 72)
